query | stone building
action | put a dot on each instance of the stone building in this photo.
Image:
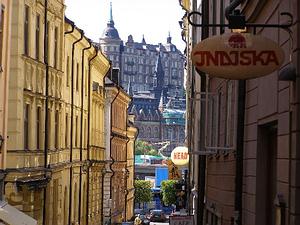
(150, 74)
(137, 62)
(252, 125)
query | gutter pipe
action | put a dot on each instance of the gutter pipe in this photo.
(111, 138)
(72, 118)
(103, 173)
(88, 136)
(202, 158)
(81, 125)
(46, 103)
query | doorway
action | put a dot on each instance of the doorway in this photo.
(266, 174)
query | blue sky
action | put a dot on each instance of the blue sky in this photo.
(152, 18)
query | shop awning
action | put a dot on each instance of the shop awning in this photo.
(13, 216)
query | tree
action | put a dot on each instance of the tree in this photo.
(143, 147)
(143, 192)
(168, 192)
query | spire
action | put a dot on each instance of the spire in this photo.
(161, 102)
(111, 21)
(143, 40)
(158, 77)
(169, 39)
(111, 17)
(158, 66)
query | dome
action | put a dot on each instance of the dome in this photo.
(110, 31)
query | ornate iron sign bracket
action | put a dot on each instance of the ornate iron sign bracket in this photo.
(237, 21)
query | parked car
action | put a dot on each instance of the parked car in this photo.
(157, 215)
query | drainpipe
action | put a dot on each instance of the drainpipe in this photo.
(104, 172)
(72, 118)
(81, 125)
(88, 136)
(238, 198)
(127, 171)
(46, 103)
(111, 138)
(202, 158)
(190, 95)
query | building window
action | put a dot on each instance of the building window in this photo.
(154, 82)
(26, 30)
(66, 132)
(38, 128)
(77, 77)
(76, 131)
(37, 37)
(48, 40)
(56, 142)
(1, 32)
(26, 126)
(68, 72)
(55, 55)
(86, 82)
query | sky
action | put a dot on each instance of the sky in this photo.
(152, 18)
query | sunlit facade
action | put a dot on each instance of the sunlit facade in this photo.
(5, 29)
(118, 152)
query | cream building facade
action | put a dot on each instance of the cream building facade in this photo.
(57, 180)
(36, 54)
(5, 18)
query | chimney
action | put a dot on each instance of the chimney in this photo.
(115, 75)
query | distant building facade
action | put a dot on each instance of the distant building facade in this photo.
(151, 74)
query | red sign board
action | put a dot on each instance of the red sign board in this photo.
(237, 56)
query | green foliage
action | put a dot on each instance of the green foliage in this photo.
(142, 191)
(168, 191)
(143, 147)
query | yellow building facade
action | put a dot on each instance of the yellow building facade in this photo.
(57, 180)
(5, 19)
(36, 54)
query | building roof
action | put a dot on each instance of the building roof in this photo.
(174, 117)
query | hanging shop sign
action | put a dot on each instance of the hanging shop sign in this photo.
(180, 156)
(237, 56)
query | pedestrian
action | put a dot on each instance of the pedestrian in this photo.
(138, 220)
